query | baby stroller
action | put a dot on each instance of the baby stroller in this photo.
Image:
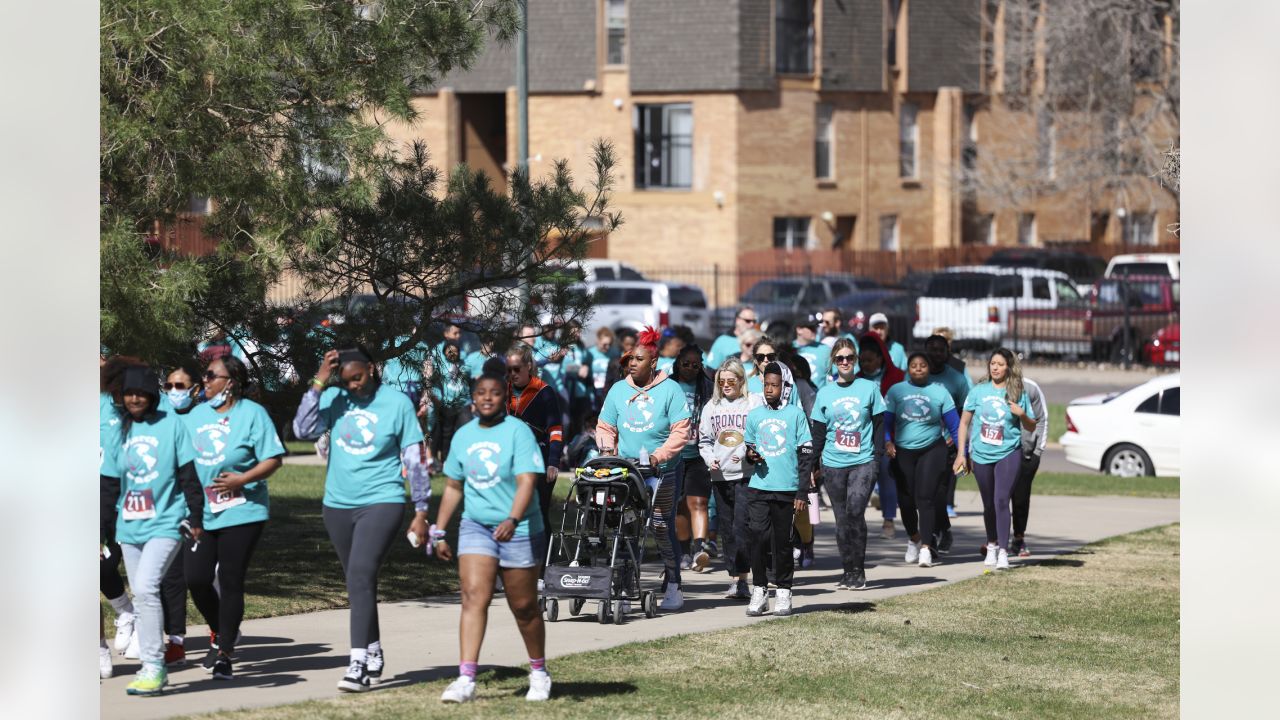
(597, 553)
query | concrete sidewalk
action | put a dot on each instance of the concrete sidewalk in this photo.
(301, 657)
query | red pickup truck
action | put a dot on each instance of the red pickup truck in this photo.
(1123, 308)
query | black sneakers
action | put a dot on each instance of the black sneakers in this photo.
(858, 581)
(356, 679)
(222, 668)
(211, 657)
(373, 666)
(944, 541)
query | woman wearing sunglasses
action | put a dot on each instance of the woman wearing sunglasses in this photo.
(720, 442)
(764, 352)
(236, 448)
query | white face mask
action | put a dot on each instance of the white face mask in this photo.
(179, 399)
(220, 399)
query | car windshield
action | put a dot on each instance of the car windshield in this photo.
(774, 291)
(623, 296)
(1141, 268)
(960, 286)
(1112, 292)
(688, 297)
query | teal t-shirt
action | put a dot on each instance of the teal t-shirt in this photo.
(755, 384)
(234, 442)
(690, 396)
(667, 365)
(819, 357)
(724, 347)
(956, 383)
(406, 368)
(365, 440)
(109, 438)
(918, 412)
(644, 418)
(552, 372)
(777, 435)
(151, 503)
(451, 385)
(578, 387)
(848, 411)
(599, 366)
(486, 460)
(897, 355)
(474, 363)
(994, 432)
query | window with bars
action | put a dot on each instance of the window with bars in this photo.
(1026, 228)
(1047, 145)
(664, 146)
(615, 21)
(823, 142)
(908, 140)
(791, 233)
(793, 36)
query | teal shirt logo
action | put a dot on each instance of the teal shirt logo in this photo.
(639, 415)
(211, 443)
(481, 466)
(772, 439)
(916, 408)
(139, 462)
(355, 431)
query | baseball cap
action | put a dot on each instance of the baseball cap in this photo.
(878, 319)
(810, 321)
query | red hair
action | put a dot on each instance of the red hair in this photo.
(649, 338)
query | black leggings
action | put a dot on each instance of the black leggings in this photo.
(362, 537)
(229, 550)
(731, 513)
(922, 477)
(173, 595)
(448, 422)
(1022, 493)
(769, 516)
(109, 580)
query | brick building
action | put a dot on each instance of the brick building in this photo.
(755, 133)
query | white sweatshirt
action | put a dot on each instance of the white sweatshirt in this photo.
(720, 437)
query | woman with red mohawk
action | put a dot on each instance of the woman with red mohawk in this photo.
(647, 417)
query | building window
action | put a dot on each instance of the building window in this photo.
(891, 39)
(969, 151)
(908, 137)
(791, 233)
(889, 233)
(793, 36)
(664, 146)
(1140, 229)
(615, 21)
(1026, 228)
(1047, 145)
(824, 145)
(984, 230)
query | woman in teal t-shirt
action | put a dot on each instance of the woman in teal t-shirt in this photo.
(374, 441)
(493, 468)
(1003, 411)
(237, 449)
(156, 495)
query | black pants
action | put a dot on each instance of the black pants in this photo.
(362, 537)
(769, 527)
(922, 477)
(545, 490)
(448, 421)
(1022, 493)
(229, 550)
(109, 580)
(173, 595)
(731, 513)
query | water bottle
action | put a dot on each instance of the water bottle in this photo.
(644, 456)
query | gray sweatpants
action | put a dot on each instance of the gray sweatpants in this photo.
(849, 489)
(362, 537)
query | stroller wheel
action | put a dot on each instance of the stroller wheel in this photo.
(649, 603)
(602, 613)
(552, 609)
(575, 606)
(618, 615)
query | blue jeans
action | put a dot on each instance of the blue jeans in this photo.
(518, 552)
(666, 489)
(888, 491)
(146, 565)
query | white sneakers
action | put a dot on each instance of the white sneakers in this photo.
(926, 557)
(759, 599)
(132, 651)
(673, 599)
(782, 605)
(1002, 559)
(464, 690)
(913, 552)
(991, 555)
(124, 630)
(104, 662)
(539, 687)
(700, 560)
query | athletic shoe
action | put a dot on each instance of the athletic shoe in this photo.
(211, 657)
(806, 555)
(1023, 551)
(132, 652)
(712, 548)
(926, 557)
(796, 554)
(845, 582)
(991, 555)
(462, 690)
(913, 552)
(356, 679)
(104, 662)
(672, 599)
(875, 500)
(174, 654)
(686, 562)
(124, 630)
(539, 687)
(888, 531)
(150, 680)
(859, 581)
(373, 663)
(945, 540)
(1002, 559)
(542, 585)
(951, 512)
(222, 668)
(700, 560)
(737, 591)
(782, 606)
(759, 599)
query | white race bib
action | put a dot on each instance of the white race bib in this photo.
(848, 440)
(138, 505)
(220, 500)
(992, 433)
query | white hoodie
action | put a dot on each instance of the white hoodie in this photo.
(720, 437)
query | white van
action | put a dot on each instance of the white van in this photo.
(1166, 264)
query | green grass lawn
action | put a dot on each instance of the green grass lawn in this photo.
(1093, 634)
(1057, 421)
(1072, 484)
(300, 447)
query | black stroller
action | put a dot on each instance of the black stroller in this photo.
(597, 553)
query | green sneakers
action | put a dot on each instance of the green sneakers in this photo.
(150, 680)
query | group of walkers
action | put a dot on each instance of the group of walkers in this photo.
(741, 441)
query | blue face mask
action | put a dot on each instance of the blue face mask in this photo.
(179, 399)
(220, 399)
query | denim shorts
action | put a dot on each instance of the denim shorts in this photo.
(476, 539)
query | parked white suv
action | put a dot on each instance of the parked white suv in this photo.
(1169, 264)
(975, 301)
(635, 304)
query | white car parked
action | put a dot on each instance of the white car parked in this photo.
(975, 301)
(1130, 434)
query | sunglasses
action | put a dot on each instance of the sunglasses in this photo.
(515, 369)
(747, 319)
(210, 375)
(175, 386)
(842, 359)
(766, 357)
(729, 381)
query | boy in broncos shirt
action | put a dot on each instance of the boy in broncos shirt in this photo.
(779, 444)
